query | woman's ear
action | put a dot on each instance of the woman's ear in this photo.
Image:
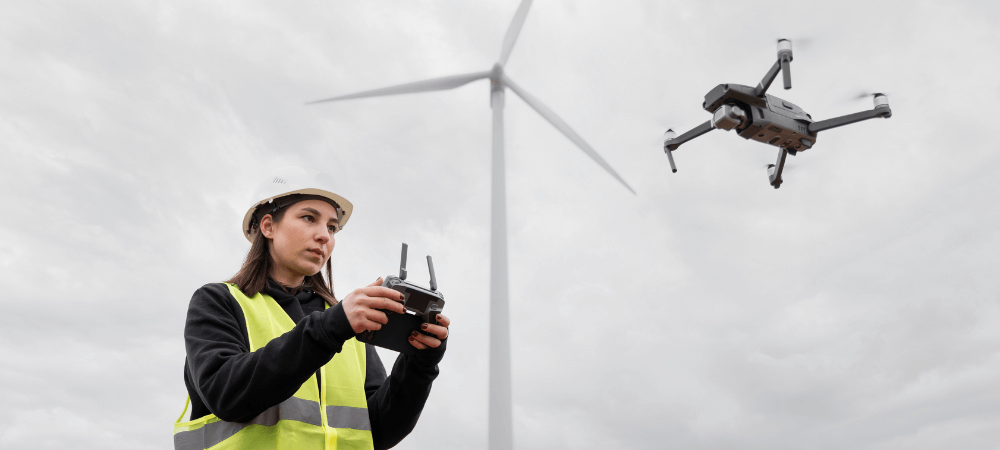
(267, 226)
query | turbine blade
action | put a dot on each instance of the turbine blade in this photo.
(547, 113)
(433, 84)
(514, 31)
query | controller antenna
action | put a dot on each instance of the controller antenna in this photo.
(402, 264)
(430, 267)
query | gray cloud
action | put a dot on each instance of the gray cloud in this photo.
(853, 308)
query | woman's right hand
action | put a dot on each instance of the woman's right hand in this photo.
(362, 306)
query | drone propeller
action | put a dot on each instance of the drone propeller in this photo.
(801, 43)
(878, 98)
(866, 94)
(663, 122)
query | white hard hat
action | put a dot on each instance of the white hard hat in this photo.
(290, 180)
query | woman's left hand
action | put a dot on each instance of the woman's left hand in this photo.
(422, 341)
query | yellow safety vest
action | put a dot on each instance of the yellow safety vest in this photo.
(337, 420)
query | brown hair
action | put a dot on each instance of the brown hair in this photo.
(252, 276)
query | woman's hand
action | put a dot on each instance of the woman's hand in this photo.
(362, 306)
(422, 341)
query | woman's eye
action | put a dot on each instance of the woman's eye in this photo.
(333, 228)
(309, 218)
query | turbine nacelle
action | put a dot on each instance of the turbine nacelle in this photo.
(496, 78)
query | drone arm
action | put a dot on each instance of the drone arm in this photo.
(879, 111)
(672, 144)
(783, 65)
(769, 78)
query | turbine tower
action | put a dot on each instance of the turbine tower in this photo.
(500, 408)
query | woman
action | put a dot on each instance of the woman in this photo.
(272, 362)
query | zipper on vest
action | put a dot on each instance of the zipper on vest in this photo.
(329, 435)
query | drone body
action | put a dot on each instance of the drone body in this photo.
(768, 119)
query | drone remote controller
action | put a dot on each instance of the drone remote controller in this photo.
(422, 306)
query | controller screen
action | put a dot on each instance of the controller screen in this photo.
(418, 301)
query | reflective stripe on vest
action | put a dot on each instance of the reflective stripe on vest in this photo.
(298, 422)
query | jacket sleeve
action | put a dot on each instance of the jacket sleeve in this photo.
(237, 384)
(395, 402)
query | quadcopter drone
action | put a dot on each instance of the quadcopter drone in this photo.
(766, 118)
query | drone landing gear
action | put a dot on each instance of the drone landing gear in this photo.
(774, 170)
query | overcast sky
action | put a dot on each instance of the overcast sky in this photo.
(854, 308)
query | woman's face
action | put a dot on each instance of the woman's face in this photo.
(302, 242)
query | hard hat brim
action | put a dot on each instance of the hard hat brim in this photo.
(346, 207)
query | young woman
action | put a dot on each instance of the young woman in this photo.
(272, 362)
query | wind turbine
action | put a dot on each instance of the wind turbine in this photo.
(500, 410)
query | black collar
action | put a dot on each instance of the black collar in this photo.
(282, 293)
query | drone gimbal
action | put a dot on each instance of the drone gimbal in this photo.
(765, 118)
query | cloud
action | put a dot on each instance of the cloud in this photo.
(852, 308)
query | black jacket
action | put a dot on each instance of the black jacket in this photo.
(225, 378)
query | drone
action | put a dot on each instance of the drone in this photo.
(765, 118)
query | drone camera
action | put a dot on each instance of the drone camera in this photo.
(728, 117)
